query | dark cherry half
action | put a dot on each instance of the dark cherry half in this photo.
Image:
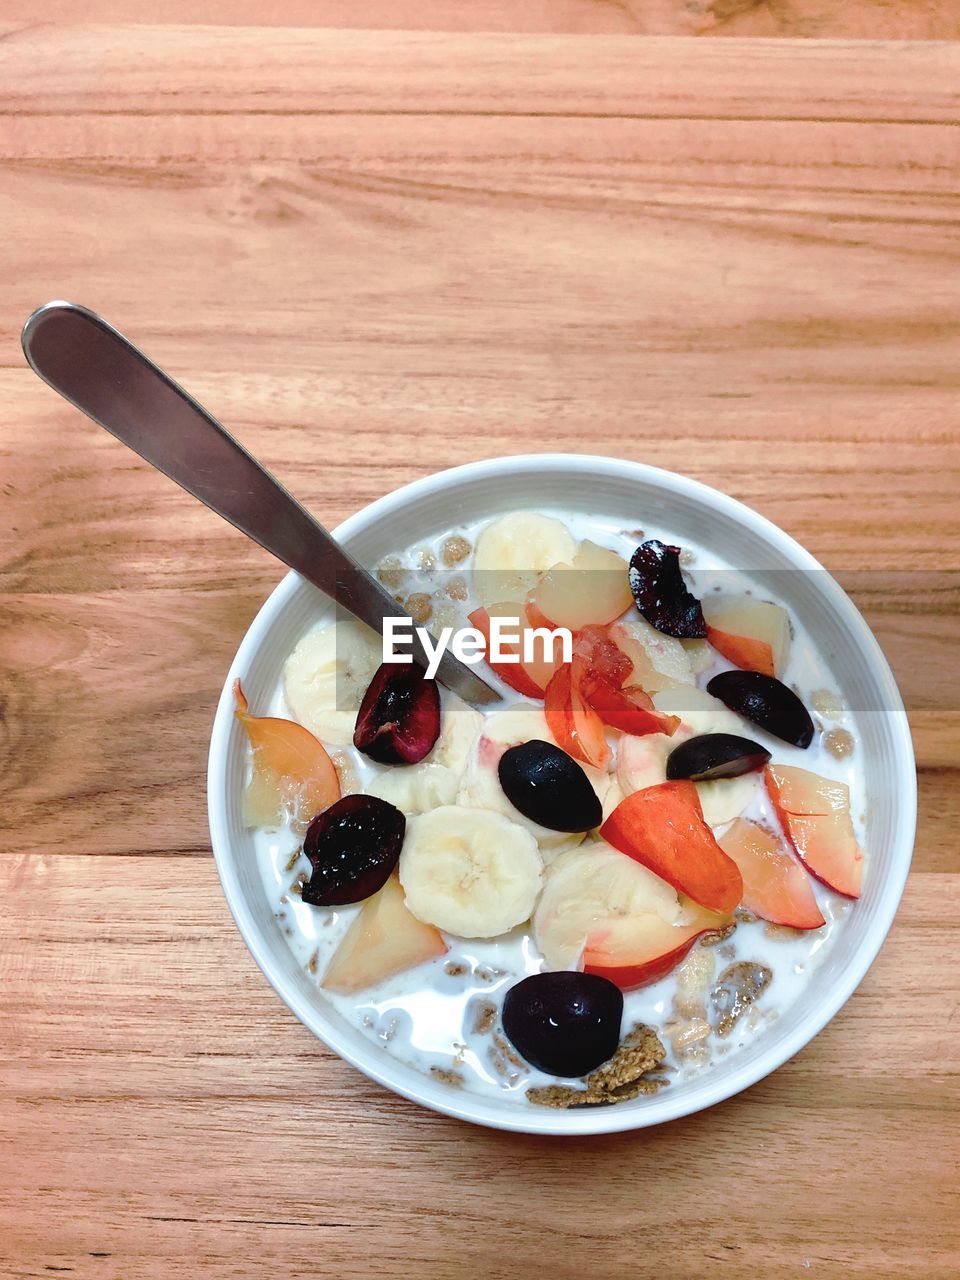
(566, 1024)
(399, 717)
(715, 755)
(549, 787)
(661, 594)
(353, 847)
(767, 702)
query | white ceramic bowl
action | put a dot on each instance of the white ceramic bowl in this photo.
(635, 494)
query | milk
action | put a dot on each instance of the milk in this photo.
(428, 1016)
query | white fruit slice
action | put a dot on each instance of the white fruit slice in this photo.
(383, 939)
(262, 803)
(469, 871)
(326, 676)
(481, 788)
(593, 589)
(659, 661)
(700, 711)
(700, 655)
(551, 852)
(614, 795)
(744, 618)
(416, 788)
(642, 762)
(597, 889)
(726, 798)
(459, 726)
(513, 551)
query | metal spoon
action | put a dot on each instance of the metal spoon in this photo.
(94, 367)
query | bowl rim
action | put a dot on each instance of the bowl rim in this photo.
(716, 1086)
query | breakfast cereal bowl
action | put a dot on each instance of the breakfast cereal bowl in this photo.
(839, 662)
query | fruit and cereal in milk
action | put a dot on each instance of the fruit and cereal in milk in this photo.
(603, 883)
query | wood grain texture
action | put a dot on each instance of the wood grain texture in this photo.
(823, 19)
(373, 254)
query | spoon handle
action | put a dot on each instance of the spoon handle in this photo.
(96, 369)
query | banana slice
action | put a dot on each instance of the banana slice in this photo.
(699, 710)
(481, 788)
(726, 798)
(597, 888)
(460, 725)
(512, 553)
(552, 853)
(642, 762)
(326, 676)
(416, 788)
(434, 783)
(469, 871)
(659, 661)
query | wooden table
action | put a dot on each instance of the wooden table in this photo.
(373, 254)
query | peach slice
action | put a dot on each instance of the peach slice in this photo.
(593, 589)
(749, 655)
(575, 725)
(384, 939)
(480, 788)
(601, 655)
(599, 668)
(606, 913)
(514, 674)
(595, 892)
(642, 762)
(659, 661)
(775, 886)
(658, 950)
(815, 813)
(292, 772)
(630, 709)
(662, 828)
(547, 656)
(752, 634)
